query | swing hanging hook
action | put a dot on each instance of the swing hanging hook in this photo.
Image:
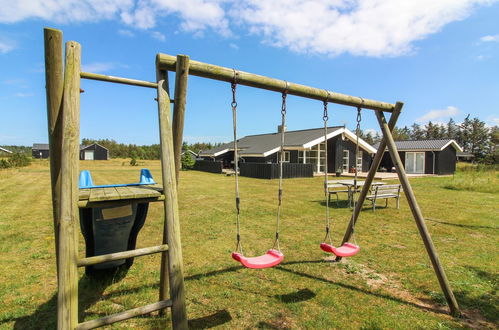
(233, 86)
(325, 116)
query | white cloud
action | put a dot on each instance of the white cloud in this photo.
(20, 94)
(126, 33)
(490, 38)
(6, 46)
(438, 114)
(492, 121)
(372, 131)
(358, 27)
(101, 67)
(234, 46)
(158, 36)
(328, 27)
(207, 139)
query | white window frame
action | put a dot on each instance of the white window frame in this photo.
(359, 161)
(415, 161)
(345, 165)
(287, 156)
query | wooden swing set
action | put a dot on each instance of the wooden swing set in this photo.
(63, 114)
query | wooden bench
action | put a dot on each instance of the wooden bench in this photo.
(384, 192)
(334, 188)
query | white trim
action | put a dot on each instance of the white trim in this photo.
(312, 143)
(219, 153)
(352, 137)
(270, 152)
(5, 150)
(458, 148)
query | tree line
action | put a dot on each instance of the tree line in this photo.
(472, 135)
(122, 150)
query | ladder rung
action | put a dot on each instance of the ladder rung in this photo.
(119, 80)
(124, 315)
(121, 255)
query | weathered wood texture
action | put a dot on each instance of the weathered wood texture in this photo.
(67, 299)
(121, 255)
(92, 324)
(118, 80)
(171, 235)
(418, 215)
(54, 78)
(181, 77)
(168, 62)
(120, 193)
(370, 176)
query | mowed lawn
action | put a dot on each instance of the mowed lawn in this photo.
(389, 284)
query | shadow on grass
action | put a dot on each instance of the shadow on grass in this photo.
(460, 225)
(298, 296)
(353, 288)
(486, 303)
(210, 321)
(90, 291)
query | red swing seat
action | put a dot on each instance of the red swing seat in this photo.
(269, 259)
(346, 250)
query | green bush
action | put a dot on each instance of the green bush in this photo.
(15, 160)
(187, 161)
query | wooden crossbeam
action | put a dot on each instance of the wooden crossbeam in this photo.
(121, 255)
(124, 315)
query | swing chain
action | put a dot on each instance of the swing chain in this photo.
(357, 133)
(325, 118)
(281, 160)
(233, 104)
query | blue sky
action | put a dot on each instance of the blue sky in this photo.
(439, 57)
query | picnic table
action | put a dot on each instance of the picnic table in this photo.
(351, 189)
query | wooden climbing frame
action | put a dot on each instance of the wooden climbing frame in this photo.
(63, 113)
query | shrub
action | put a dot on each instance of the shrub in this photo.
(187, 161)
(15, 160)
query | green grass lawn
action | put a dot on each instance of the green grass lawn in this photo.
(389, 284)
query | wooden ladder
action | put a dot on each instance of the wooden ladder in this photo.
(63, 107)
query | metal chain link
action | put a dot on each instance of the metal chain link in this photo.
(325, 118)
(357, 133)
(281, 160)
(233, 105)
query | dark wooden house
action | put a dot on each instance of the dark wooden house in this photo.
(301, 147)
(92, 152)
(425, 156)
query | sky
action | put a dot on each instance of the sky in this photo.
(439, 57)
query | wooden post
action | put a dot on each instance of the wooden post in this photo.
(418, 216)
(67, 299)
(370, 176)
(53, 85)
(181, 76)
(171, 234)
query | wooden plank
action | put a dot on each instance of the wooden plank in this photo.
(54, 78)
(124, 315)
(97, 194)
(418, 215)
(111, 193)
(125, 193)
(121, 255)
(200, 69)
(118, 80)
(181, 77)
(84, 194)
(67, 279)
(171, 262)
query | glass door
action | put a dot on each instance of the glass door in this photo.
(414, 162)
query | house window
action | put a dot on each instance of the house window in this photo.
(286, 157)
(346, 160)
(359, 161)
(316, 155)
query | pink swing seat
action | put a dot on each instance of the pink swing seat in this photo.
(346, 250)
(269, 259)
